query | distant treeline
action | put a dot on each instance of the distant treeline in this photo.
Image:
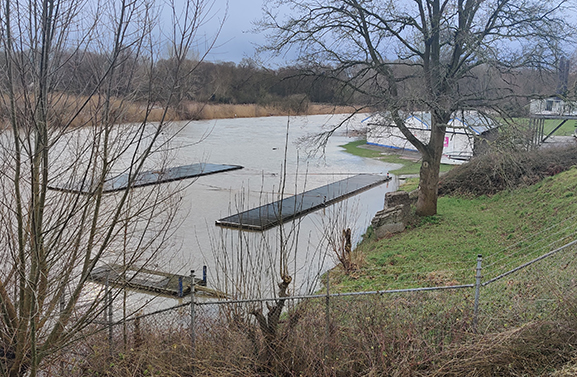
(291, 87)
(136, 78)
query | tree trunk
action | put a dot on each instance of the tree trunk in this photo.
(269, 325)
(428, 184)
(429, 174)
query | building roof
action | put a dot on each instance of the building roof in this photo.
(472, 120)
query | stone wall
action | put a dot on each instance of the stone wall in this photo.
(396, 214)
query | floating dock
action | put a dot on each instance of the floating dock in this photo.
(273, 214)
(150, 281)
(151, 177)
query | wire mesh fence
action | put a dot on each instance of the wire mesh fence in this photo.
(404, 331)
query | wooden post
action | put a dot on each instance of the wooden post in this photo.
(192, 320)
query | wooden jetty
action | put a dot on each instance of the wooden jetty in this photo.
(150, 281)
(146, 178)
(273, 214)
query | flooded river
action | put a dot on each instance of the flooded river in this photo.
(258, 144)
(276, 164)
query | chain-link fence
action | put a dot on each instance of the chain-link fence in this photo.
(403, 331)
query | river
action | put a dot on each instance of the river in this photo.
(275, 159)
(258, 144)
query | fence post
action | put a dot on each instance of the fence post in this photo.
(108, 312)
(192, 319)
(327, 317)
(478, 277)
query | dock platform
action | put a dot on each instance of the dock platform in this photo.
(273, 214)
(149, 281)
(146, 178)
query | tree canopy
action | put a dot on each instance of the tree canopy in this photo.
(438, 56)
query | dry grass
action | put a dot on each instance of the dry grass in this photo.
(78, 111)
(569, 370)
(530, 350)
(152, 350)
(527, 327)
(67, 110)
(199, 111)
(401, 335)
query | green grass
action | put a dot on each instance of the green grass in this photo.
(566, 129)
(409, 167)
(353, 148)
(409, 184)
(442, 249)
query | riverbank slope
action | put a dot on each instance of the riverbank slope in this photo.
(524, 315)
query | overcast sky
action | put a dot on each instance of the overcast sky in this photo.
(236, 40)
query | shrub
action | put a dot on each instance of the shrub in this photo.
(489, 174)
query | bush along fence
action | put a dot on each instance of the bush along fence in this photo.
(400, 330)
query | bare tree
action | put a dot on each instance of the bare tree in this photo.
(52, 241)
(275, 263)
(256, 265)
(420, 55)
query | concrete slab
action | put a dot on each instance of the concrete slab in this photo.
(273, 214)
(146, 178)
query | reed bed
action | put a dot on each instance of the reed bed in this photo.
(205, 111)
(69, 110)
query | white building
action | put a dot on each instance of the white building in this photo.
(466, 134)
(552, 106)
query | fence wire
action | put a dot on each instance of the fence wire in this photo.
(399, 331)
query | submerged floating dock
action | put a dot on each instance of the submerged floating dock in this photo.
(150, 281)
(273, 214)
(151, 177)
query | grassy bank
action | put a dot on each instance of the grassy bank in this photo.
(410, 165)
(522, 316)
(441, 249)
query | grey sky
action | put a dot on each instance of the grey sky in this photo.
(236, 40)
